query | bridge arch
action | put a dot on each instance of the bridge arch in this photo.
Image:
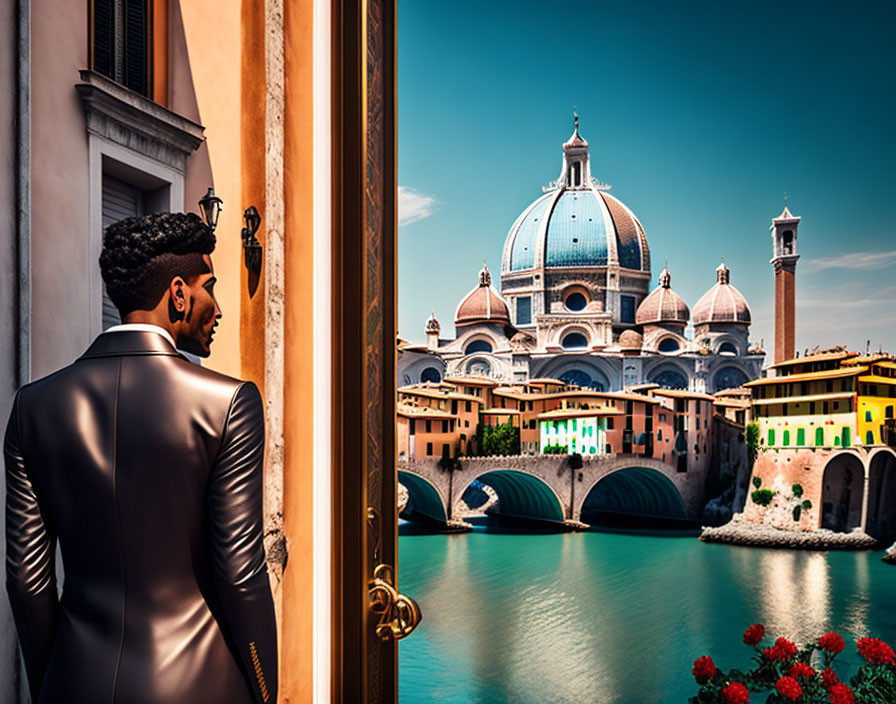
(842, 486)
(521, 495)
(425, 502)
(633, 492)
(880, 521)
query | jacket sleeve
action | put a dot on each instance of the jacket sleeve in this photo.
(30, 559)
(236, 532)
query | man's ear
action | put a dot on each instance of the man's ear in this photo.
(177, 299)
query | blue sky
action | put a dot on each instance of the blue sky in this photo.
(700, 114)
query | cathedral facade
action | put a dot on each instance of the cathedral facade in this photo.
(575, 304)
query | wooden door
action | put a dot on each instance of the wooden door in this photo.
(364, 235)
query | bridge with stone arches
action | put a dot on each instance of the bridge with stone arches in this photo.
(546, 488)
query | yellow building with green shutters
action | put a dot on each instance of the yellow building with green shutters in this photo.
(830, 400)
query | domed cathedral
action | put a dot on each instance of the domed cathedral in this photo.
(576, 304)
(576, 263)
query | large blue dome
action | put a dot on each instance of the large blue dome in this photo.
(577, 227)
(576, 223)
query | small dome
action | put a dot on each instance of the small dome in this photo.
(432, 325)
(483, 304)
(663, 305)
(630, 340)
(722, 303)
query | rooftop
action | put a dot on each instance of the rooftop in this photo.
(809, 376)
(579, 413)
(682, 393)
(817, 357)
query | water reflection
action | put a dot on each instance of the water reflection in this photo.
(612, 618)
(794, 593)
(859, 606)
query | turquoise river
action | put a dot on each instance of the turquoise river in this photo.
(610, 618)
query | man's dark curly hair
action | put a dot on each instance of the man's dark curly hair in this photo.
(142, 255)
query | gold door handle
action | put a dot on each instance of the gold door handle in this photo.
(398, 614)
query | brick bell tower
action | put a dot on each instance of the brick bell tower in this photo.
(784, 260)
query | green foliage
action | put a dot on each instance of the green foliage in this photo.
(806, 505)
(797, 490)
(503, 439)
(762, 497)
(757, 482)
(751, 435)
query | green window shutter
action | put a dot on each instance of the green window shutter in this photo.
(867, 416)
(771, 436)
(819, 436)
(786, 437)
(869, 437)
(801, 436)
(847, 438)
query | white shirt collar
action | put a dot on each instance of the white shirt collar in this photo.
(142, 327)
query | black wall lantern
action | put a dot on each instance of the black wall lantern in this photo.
(211, 207)
(251, 246)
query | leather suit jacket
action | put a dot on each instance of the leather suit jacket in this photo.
(148, 470)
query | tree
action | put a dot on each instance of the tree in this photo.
(752, 437)
(503, 439)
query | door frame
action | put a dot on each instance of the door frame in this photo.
(364, 186)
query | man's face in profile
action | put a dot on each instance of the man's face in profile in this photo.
(202, 313)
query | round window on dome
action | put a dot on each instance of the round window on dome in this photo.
(478, 346)
(728, 349)
(668, 344)
(431, 375)
(574, 341)
(576, 301)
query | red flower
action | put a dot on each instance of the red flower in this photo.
(876, 651)
(787, 648)
(841, 694)
(736, 693)
(781, 651)
(831, 642)
(801, 669)
(704, 669)
(829, 678)
(789, 687)
(754, 634)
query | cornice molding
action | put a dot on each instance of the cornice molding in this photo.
(137, 123)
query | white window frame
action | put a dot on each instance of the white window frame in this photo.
(100, 149)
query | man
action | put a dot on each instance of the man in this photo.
(148, 470)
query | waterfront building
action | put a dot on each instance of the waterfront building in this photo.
(441, 419)
(437, 420)
(826, 424)
(655, 448)
(828, 400)
(570, 431)
(575, 304)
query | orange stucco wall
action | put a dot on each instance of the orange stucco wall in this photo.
(225, 46)
(252, 169)
(296, 665)
(211, 49)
